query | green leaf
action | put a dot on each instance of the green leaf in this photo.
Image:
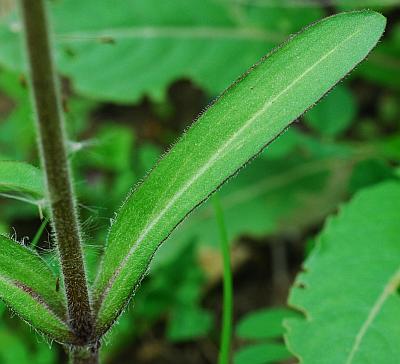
(21, 177)
(370, 172)
(15, 348)
(348, 290)
(248, 116)
(188, 323)
(354, 4)
(383, 66)
(110, 149)
(28, 287)
(3, 229)
(334, 114)
(282, 195)
(263, 324)
(262, 354)
(182, 39)
(17, 132)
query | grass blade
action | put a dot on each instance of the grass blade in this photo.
(226, 332)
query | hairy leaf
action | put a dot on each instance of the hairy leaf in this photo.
(272, 196)
(348, 290)
(248, 116)
(384, 65)
(28, 287)
(21, 177)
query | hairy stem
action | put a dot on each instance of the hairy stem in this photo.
(84, 355)
(226, 332)
(52, 145)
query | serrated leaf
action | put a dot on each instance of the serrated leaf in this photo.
(28, 287)
(348, 290)
(248, 116)
(263, 324)
(182, 39)
(21, 177)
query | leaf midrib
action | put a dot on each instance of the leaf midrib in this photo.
(208, 165)
(170, 32)
(390, 287)
(35, 296)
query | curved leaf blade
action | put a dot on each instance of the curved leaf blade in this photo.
(21, 177)
(248, 116)
(28, 287)
(348, 288)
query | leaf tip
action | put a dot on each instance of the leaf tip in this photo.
(377, 20)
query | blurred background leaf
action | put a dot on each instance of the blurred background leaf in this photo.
(264, 329)
(151, 49)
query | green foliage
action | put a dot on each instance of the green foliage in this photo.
(15, 350)
(288, 191)
(156, 299)
(383, 65)
(188, 39)
(21, 177)
(17, 135)
(189, 323)
(182, 180)
(187, 319)
(262, 328)
(227, 301)
(263, 324)
(262, 354)
(348, 290)
(293, 185)
(369, 172)
(334, 114)
(28, 287)
(110, 150)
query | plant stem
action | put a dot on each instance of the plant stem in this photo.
(84, 355)
(39, 233)
(226, 333)
(52, 146)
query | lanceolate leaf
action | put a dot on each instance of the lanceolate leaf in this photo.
(28, 287)
(348, 290)
(21, 177)
(249, 115)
